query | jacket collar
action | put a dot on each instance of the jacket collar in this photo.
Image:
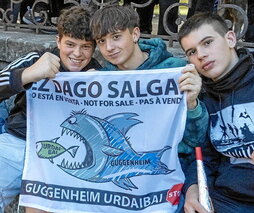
(239, 75)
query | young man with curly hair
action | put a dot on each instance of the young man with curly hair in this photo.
(74, 51)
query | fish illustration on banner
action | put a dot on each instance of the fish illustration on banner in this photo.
(106, 144)
(51, 149)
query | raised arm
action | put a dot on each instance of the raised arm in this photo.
(47, 66)
(197, 115)
(15, 78)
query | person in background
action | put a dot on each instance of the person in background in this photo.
(227, 75)
(145, 15)
(201, 6)
(249, 36)
(172, 15)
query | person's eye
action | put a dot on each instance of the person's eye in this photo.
(100, 41)
(86, 47)
(191, 52)
(208, 42)
(69, 45)
(116, 37)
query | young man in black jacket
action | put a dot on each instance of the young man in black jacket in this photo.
(74, 51)
(228, 75)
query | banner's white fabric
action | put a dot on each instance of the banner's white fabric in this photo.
(104, 142)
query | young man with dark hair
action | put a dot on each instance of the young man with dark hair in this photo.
(74, 51)
(228, 75)
(116, 31)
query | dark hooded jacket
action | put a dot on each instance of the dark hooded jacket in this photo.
(230, 104)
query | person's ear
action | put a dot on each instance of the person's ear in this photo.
(135, 34)
(58, 41)
(231, 39)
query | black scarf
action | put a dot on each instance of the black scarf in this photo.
(239, 75)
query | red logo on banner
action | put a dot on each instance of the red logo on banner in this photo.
(173, 195)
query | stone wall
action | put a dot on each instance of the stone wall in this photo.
(14, 44)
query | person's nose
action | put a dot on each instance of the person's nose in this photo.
(201, 53)
(109, 45)
(77, 51)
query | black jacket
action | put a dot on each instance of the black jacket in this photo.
(11, 84)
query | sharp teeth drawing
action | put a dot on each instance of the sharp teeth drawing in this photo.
(109, 155)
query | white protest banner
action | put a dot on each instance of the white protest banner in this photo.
(104, 142)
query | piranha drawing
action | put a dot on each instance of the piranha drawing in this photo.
(109, 155)
(52, 149)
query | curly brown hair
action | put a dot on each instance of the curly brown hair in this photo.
(74, 22)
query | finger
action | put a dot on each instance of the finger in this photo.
(51, 56)
(195, 207)
(190, 81)
(54, 70)
(50, 59)
(189, 68)
(55, 61)
(54, 65)
(47, 63)
(190, 88)
(191, 76)
(201, 209)
(51, 75)
(55, 57)
(189, 210)
(187, 80)
(92, 70)
(184, 76)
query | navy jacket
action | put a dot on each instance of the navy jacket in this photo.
(230, 103)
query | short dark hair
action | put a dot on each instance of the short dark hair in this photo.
(74, 22)
(197, 20)
(113, 18)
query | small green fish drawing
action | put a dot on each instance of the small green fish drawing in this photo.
(52, 149)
